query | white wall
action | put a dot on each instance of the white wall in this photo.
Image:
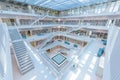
(115, 59)
(5, 57)
(112, 57)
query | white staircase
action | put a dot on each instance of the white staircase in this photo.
(14, 35)
(45, 42)
(22, 56)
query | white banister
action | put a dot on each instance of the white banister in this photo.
(40, 18)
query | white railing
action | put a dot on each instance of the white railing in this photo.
(44, 43)
(84, 48)
(40, 18)
(26, 12)
(91, 14)
(42, 58)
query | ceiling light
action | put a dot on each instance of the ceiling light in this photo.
(59, 19)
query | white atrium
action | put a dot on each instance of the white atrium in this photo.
(59, 39)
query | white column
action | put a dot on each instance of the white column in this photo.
(30, 9)
(0, 20)
(90, 33)
(79, 22)
(18, 21)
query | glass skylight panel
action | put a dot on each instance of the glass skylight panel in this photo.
(31, 1)
(69, 3)
(59, 59)
(60, 1)
(46, 2)
(50, 4)
(38, 1)
(20, 0)
(83, 0)
(61, 4)
(59, 7)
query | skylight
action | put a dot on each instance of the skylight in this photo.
(61, 4)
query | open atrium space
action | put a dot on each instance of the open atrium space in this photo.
(59, 39)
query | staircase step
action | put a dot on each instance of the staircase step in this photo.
(20, 48)
(23, 58)
(26, 65)
(27, 69)
(21, 55)
(25, 61)
(17, 45)
(19, 51)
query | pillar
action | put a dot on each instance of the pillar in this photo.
(30, 9)
(18, 21)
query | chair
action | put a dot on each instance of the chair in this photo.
(100, 52)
